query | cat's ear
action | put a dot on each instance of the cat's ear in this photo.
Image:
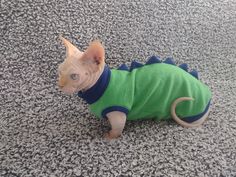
(71, 50)
(94, 55)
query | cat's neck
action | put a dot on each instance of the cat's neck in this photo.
(97, 86)
(94, 78)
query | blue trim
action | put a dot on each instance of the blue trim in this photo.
(153, 60)
(194, 73)
(114, 108)
(194, 118)
(184, 66)
(169, 61)
(123, 67)
(95, 92)
(135, 65)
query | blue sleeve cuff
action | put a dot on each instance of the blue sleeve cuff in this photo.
(114, 108)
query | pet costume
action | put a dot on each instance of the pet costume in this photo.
(147, 91)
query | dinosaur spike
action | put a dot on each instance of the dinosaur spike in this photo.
(169, 61)
(123, 67)
(153, 60)
(184, 66)
(135, 64)
(194, 73)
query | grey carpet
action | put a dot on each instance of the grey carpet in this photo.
(46, 133)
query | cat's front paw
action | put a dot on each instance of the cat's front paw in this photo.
(111, 135)
(107, 136)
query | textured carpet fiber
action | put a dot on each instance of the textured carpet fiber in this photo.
(46, 133)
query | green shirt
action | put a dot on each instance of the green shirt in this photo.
(148, 91)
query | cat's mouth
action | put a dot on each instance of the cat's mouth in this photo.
(67, 90)
(73, 88)
(81, 87)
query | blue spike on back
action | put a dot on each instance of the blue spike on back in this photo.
(194, 73)
(184, 66)
(123, 67)
(135, 64)
(153, 60)
(169, 61)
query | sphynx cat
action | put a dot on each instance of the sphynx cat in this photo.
(81, 70)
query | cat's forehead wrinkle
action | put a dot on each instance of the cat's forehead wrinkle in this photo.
(68, 67)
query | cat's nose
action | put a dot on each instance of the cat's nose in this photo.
(60, 85)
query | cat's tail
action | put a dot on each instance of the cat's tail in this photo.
(180, 121)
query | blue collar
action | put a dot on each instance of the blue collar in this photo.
(95, 92)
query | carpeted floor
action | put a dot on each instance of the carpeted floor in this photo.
(46, 133)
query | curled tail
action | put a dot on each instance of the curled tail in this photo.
(181, 122)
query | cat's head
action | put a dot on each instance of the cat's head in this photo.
(79, 69)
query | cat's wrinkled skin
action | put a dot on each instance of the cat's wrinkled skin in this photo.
(81, 70)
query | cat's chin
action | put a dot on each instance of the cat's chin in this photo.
(69, 91)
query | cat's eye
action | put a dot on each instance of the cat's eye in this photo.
(74, 76)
